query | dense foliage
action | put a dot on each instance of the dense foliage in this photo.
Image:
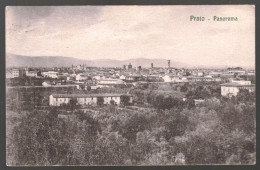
(169, 131)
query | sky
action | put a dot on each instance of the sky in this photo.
(128, 32)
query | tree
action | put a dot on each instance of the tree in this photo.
(184, 88)
(89, 88)
(245, 96)
(40, 139)
(176, 125)
(100, 101)
(125, 99)
(159, 102)
(112, 102)
(110, 149)
(137, 123)
(73, 102)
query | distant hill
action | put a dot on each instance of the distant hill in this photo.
(40, 61)
(13, 60)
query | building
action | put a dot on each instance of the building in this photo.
(238, 72)
(86, 99)
(198, 101)
(169, 63)
(153, 78)
(134, 77)
(232, 88)
(122, 77)
(46, 84)
(51, 74)
(78, 67)
(251, 73)
(139, 68)
(171, 78)
(82, 77)
(129, 66)
(17, 73)
(110, 81)
(31, 73)
(207, 78)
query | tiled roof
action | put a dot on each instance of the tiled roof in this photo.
(85, 95)
(233, 84)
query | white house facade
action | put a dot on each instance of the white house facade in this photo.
(232, 88)
(51, 74)
(85, 99)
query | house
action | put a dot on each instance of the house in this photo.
(110, 81)
(122, 77)
(251, 73)
(17, 73)
(153, 78)
(232, 88)
(46, 84)
(200, 74)
(92, 87)
(81, 77)
(86, 99)
(51, 74)
(215, 73)
(238, 72)
(198, 101)
(208, 79)
(62, 75)
(134, 77)
(171, 78)
(31, 73)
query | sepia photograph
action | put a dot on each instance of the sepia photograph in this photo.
(118, 85)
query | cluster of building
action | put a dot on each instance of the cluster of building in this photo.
(88, 99)
(93, 78)
(232, 88)
(128, 73)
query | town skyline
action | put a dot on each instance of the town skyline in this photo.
(13, 60)
(103, 32)
(130, 85)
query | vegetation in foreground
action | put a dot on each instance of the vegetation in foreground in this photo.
(170, 132)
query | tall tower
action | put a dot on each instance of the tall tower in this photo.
(169, 63)
(130, 66)
(151, 65)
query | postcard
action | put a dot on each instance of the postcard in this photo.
(130, 85)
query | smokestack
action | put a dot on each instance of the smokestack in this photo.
(169, 63)
(151, 65)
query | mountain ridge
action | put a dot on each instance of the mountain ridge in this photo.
(14, 60)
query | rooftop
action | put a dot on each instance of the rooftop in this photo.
(233, 84)
(86, 95)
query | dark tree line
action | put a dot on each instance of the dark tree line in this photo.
(170, 131)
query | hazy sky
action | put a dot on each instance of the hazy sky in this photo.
(123, 32)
